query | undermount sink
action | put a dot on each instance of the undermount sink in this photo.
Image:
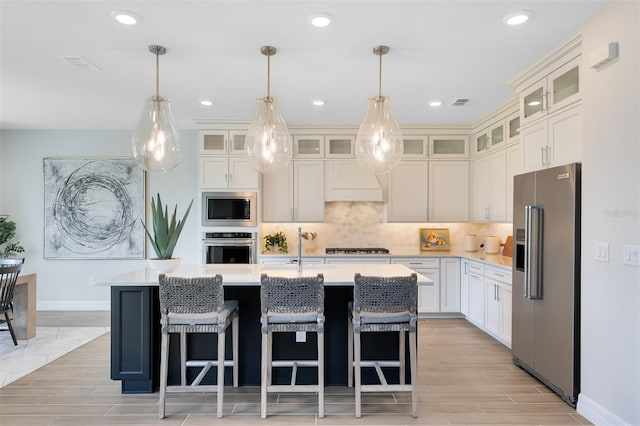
(305, 267)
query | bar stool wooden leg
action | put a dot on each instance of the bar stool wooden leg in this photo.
(413, 355)
(402, 355)
(164, 372)
(183, 358)
(356, 366)
(235, 339)
(221, 356)
(264, 380)
(320, 374)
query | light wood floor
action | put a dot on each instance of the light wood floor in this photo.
(465, 376)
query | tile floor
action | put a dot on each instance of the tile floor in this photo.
(466, 377)
(57, 333)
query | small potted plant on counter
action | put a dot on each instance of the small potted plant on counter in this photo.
(165, 235)
(276, 243)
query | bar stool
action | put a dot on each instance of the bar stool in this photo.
(383, 304)
(291, 305)
(196, 305)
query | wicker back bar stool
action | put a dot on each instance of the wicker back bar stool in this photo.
(383, 304)
(196, 305)
(291, 305)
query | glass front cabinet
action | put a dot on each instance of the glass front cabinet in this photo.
(557, 90)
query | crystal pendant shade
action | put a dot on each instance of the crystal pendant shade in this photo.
(268, 141)
(156, 142)
(379, 142)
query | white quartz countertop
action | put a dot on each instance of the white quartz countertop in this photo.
(249, 274)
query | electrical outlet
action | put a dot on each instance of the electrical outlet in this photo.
(601, 252)
(301, 336)
(92, 281)
(631, 255)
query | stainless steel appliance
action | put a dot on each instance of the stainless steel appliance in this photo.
(229, 247)
(546, 277)
(350, 250)
(229, 208)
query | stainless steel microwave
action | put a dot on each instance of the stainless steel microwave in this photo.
(229, 208)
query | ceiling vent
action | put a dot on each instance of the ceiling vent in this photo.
(460, 102)
(80, 62)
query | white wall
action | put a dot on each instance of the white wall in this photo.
(610, 388)
(65, 284)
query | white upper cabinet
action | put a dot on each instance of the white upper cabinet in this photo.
(295, 194)
(558, 89)
(408, 192)
(340, 146)
(553, 142)
(448, 191)
(512, 130)
(490, 189)
(308, 146)
(221, 142)
(218, 172)
(449, 146)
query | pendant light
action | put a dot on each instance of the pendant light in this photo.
(156, 142)
(379, 141)
(268, 141)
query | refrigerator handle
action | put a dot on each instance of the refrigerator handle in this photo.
(533, 253)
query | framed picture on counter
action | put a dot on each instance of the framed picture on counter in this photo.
(434, 239)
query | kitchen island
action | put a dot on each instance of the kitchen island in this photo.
(135, 324)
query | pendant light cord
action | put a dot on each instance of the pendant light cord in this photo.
(380, 77)
(157, 75)
(269, 76)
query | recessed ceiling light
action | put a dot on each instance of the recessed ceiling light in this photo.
(125, 17)
(435, 103)
(321, 19)
(517, 18)
(206, 102)
(317, 102)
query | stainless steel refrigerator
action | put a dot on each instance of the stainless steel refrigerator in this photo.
(546, 277)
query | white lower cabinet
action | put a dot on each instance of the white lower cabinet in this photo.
(444, 294)
(476, 294)
(497, 318)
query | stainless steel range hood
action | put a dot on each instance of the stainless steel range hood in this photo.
(346, 180)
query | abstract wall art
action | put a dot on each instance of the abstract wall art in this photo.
(92, 208)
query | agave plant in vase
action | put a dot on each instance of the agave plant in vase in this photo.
(166, 232)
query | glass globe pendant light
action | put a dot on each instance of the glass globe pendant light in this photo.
(268, 141)
(156, 142)
(379, 141)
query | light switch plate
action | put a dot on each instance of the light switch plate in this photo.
(631, 255)
(601, 252)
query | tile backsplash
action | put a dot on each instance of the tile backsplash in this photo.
(363, 224)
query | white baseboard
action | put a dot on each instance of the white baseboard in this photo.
(596, 413)
(68, 305)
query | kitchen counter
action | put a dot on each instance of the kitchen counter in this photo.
(249, 274)
(478, 256)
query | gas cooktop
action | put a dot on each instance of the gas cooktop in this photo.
(350, 250)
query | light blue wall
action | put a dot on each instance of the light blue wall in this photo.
(66, 283)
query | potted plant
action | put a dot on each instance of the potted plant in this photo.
(276, 242)
(165, 235)
(7, 233)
